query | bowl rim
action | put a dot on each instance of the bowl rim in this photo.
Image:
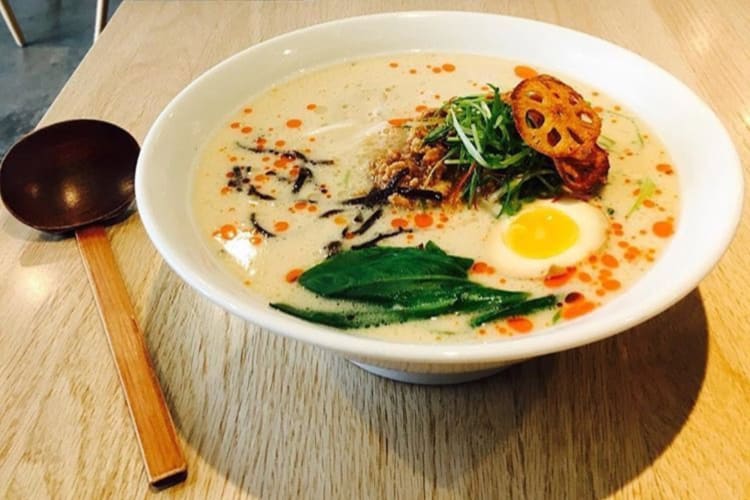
(515, 348)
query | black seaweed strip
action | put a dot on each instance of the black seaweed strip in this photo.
(303, 175)
(252, 190)
(379, 238)
(367, 224)
(332, 248)
(331, 212)
(289, 153)
(420, 194)
(378, 196)
(265, 232)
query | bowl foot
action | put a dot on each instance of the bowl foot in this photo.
(428, 378)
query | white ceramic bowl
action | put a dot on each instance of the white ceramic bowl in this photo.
(707, 164)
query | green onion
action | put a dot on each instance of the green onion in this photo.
(557, 316)
(480, 130)
(638, 136)
(606, 142)
(646, 191)
(466, 142)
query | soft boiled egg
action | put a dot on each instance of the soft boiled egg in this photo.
(545, 234)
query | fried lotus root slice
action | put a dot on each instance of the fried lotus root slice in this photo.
(584, 176)
(554, 119)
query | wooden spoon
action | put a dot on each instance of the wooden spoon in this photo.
(74, 176)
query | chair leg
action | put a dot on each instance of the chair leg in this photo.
(101, 17)
(10, 20)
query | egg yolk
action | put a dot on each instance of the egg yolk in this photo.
(541, 233)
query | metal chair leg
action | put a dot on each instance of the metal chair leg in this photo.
(10, 20)
(102, 7)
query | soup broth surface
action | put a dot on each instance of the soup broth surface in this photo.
(340, 118)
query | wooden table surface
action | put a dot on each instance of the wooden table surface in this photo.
(658, 412)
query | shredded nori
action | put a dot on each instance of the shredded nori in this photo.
(287, 153)
(265, 232)
(253, 191)
(367, 224)
(329, 213)
(379, 196)
(332, 248)
(304, 174)
(420, 194)
(380, 237)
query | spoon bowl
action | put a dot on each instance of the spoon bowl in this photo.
(69, 174)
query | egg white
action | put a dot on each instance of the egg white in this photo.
(592, 234)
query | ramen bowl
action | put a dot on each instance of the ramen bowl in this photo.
(711, 198)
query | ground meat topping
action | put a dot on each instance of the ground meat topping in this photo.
(423, 163)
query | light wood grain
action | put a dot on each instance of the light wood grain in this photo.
(657, 412)
(157, 438)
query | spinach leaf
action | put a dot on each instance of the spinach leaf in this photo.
(379, 265)
(462, 293)
(362, 317)
(370, 316)
(518, 309)
(395, 285)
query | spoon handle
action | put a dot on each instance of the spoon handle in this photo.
(165, 464)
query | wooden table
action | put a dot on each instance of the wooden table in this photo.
(660, 411)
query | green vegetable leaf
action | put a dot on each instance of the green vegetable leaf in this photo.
(391, 285)
(506, 311)
(356, 318)
(463, 294)
(380, 265)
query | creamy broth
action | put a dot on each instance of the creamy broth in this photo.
(346, 113)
